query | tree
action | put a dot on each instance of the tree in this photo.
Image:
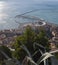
(42, 39)
(19, 54)
(6, 50)
(2, 59)
(28, 38)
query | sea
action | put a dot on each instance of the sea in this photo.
(9, 9)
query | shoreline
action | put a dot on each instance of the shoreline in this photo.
(29, 23)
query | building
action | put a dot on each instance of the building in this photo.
(53, 46)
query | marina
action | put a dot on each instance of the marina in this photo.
(9, 9)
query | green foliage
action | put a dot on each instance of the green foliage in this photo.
(56, 55)
(29, 35)
(42, 39)
(6, 50)
(28, 39)
(19, 54)
(57, 46)
(2, 62)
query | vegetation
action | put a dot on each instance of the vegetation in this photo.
(28, 38)
(7, 51)
(2, 63)
(56, 55)
(28, 46)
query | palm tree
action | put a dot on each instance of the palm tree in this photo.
(28, 58)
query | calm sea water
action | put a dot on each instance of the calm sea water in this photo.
(10, 8)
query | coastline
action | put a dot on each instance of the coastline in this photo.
(37, 19)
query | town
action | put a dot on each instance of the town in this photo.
(7, 37)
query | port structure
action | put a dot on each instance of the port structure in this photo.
(23, 19)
